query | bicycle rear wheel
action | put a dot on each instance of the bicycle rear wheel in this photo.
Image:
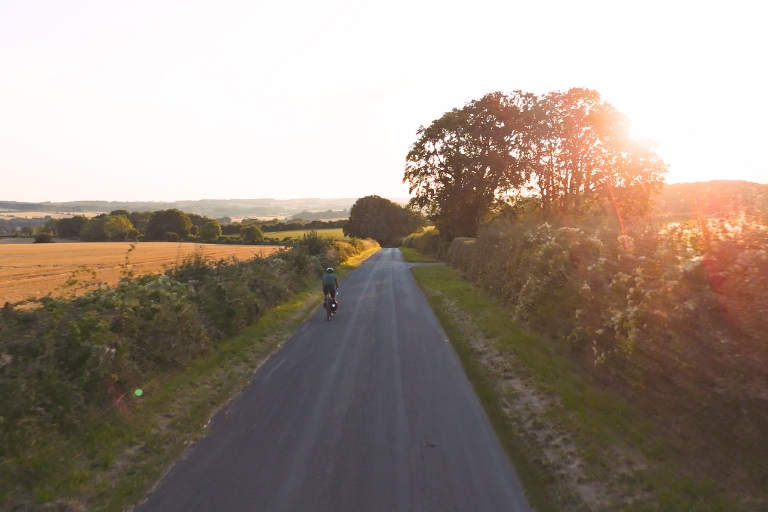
(328, 310)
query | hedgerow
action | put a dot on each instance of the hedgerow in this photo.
(673, 314)
(64, 361)
(653, 288)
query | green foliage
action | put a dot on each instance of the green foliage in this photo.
(70, 227)
(93, 230)
(140, 220)
(199, 221)
(462, 161)
(571, 151)
(428, 242)
(118, 228)
(313, 244)
(168, 221)
(43, 235)
(414, 256)
(600, 421)
(251, 233)
(43, 238)
(67, 365)
(108, 227)
(675, 314)
(211, 231)
(381, 219)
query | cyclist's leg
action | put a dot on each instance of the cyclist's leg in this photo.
(328, 292)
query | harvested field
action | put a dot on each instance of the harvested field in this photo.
(40, 215)
(34, 270)
(337, 233)
(12, 240)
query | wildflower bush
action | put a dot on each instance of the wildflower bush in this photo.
(653, 288)
(63, 362)
(673, 314)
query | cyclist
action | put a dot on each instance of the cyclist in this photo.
(330, 283)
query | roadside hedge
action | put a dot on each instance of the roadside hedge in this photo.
(64, 361)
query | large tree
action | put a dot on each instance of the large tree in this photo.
(168, 221)
(211, 231)
(115, 228)
(381, 219)
(568, 150)
(462, 162)
(251, 233)
(580, 149)
(69, 227)
(140, 220)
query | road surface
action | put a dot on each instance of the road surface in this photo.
(368, 412)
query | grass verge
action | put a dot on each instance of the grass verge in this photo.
(414, 256)
(575, 445)
(124, 451)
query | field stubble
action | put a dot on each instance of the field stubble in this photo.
(34, 270)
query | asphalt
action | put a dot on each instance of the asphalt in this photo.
(368, 412)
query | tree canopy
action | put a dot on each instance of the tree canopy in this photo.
(168, 221)
(381, 219)
(251, 233)
(568, 150)
(107, 227)
(210, 231)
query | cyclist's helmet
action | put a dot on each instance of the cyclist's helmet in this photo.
(329, 270)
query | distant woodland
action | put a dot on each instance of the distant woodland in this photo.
(215, 208)
(164, 225)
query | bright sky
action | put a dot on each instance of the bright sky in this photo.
(166, 100)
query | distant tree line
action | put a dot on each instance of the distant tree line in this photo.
(271, 226)
(328, 214)
(120, 225)
(567, 153)
(20, 226)
(168, 225)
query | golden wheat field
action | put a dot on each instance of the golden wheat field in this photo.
(40, 215)
(34, 270)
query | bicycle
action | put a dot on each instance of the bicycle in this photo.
(327, 304)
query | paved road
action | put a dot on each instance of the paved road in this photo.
(368, 412)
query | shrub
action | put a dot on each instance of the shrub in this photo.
(427, 242)
(211, 231)
(43, 238)
(669, 290)
(251, 233)
(171, 237)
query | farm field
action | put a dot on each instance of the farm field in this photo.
(333, 233)
(12, 240)
(6, 215)
(34, 270)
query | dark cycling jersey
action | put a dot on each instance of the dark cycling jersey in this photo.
(329, 279)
